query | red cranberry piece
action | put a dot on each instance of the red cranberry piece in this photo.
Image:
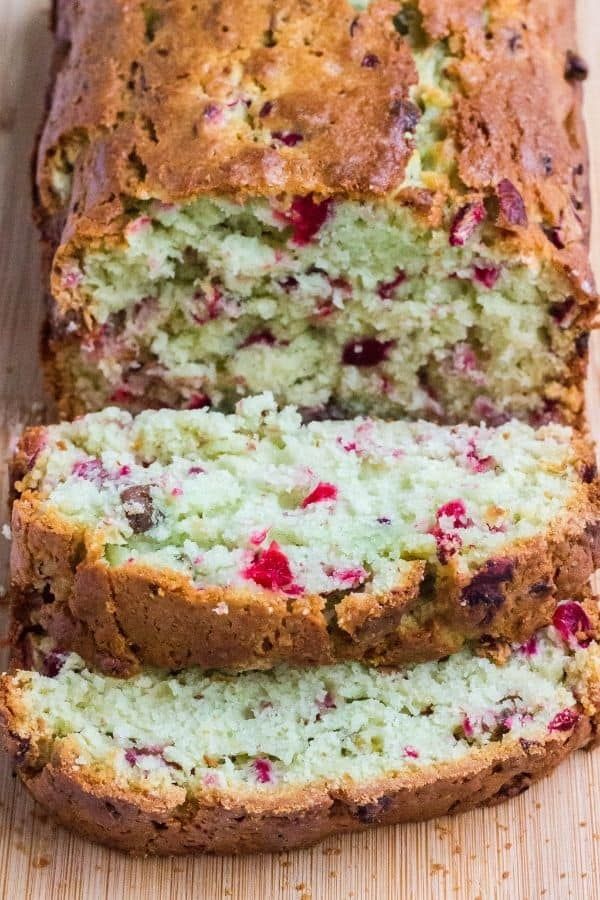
(53, 663)
(271, 569)
(263, 771)
(325, 704)
(306, 216)
(447, 543)
(122, 395)
(323, 491)
(457, 512)
(465, 223)
(512, 205)
(90, 469)
(467, 727)
(265, 109)
(370, 61)
(289, 284)
(477, 463)
(486, 275)
(366, 352)
(565, 720)
(383, 520)
(351, 577)
(199, 401)
(411, 752)
(530, 647)
(259, 337)
(571, 621)
(213, 112)
(387, 289)
(289, 138)
(196, 470)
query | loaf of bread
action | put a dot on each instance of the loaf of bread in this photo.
(181, 762)
(192, 537)
(364, 207)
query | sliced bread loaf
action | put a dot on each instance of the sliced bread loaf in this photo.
(369, 207)
(176, 763)
(180, 538)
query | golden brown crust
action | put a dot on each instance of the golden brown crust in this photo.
(120, 617)
(92, 804)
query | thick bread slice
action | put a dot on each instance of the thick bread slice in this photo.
(243, 541)
(181, 763)
(365, 207)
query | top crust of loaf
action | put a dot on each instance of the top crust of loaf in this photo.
(133, 98)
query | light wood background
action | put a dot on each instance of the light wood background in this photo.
(545, 843)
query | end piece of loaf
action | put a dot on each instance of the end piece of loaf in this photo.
(194, 537)
(371, 208)
(186, 762)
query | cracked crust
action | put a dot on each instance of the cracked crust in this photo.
(90, 802)
(120, 617)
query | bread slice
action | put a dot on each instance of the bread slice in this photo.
(197, 538)
(367, 208)
(183, 762)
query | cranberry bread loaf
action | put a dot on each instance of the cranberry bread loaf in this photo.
(181, 762)
(365, 207)
(192, 537)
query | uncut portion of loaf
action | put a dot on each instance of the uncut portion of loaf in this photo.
(194, 537)
(369, 207)
(177, 763)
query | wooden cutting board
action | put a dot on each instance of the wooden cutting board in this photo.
(545, 843)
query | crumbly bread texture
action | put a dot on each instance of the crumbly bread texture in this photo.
(194, 537)
(367, 208)
(183, 762)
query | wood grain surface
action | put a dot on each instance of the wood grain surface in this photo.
(545, 843)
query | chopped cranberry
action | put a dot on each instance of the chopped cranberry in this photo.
(138, 507)
(457, 512)
(122, 395)
(133, 754)
(564, 313)
(565, 720)
(576, 68)
(123, 471)
(370, 61)
(177, 492)
(383, 520)
(199, 401)
(271, 569)
(259, 337)
(467, 727)
(263, 771)
(323, 491)
(72, 278)
(387, 289)
(213, 112)
(53, 663)
(90, 469)
(530, 647)
(448, 542)
(257, 537)
(306, 216)
(138, 225)
(366, 352)
(475, 462)
(196, 470)
(512, 205)
(486, 275)
(325, 704)
(351, 577)
(411, 752)
(348, 446)
(484, 408)
(466, 364)
(265, 109)
(289, 284)
(571, 621)
(289, 138)
(465, 223)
